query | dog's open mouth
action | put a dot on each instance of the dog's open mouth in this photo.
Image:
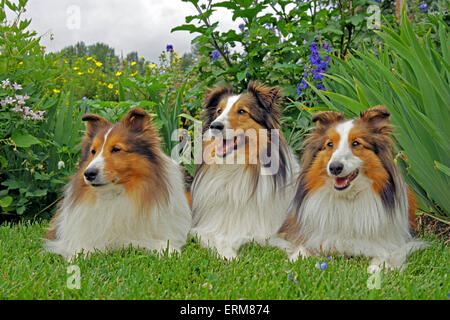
(229, 145)
(341, 183)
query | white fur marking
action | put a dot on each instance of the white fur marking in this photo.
(343, 152)
(223, 117)
(99, 162)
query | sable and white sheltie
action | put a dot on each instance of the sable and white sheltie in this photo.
(351, 198)
(125, 192)
(235, 202)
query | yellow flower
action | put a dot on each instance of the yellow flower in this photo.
(133, 63)
(99, 64)
(20, 63)
(134, 74)
(65, 61)
(89, 58)
(118, 73)
(152, 65)
(76, 68)
(80, 73)
(56, 91)
(90, 70)
(100, 83)
(110, 86)
(117, 92)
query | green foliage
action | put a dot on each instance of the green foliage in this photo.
(39, 131)
(409, 75)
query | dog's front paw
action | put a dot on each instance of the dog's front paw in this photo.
(227, 253)
(298, 252)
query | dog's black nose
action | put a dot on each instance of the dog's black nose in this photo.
(91, 174)
(217, 125)
(336, 168)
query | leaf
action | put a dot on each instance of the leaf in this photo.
(3, 162)
(442, 168)
(24, 140)
(6, 201)
(241, 76)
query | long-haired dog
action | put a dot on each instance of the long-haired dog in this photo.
(125, 192)
(243, 194)
(351, 198)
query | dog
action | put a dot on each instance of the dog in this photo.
(351, 198)
(125, 192)
(235, 202)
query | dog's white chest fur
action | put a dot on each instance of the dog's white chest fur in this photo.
(228, 211)
(114, 221)
(355, 224)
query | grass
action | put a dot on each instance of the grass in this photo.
(28, 272)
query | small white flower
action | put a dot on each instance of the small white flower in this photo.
(61, 164)
(9, 100)
(5, 83)
(17, 86)
(17, 109)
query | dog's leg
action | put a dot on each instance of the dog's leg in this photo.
(297, 252)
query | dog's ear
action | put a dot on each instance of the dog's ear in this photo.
(213, 96)
(376, 114)
(94, 124)
(324, 119)
(269, 98)
(137, 120)
(377, 119)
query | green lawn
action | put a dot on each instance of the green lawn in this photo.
(27, 272)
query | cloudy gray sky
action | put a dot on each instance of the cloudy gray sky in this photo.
(126, 25)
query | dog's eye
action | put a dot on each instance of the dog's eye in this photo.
(219, 111)
(355, 143)
(330, 144)
(115, 150)
(242, 111)
(93, 151)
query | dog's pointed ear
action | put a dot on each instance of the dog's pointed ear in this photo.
(137, 120)
(213, 96)
(376, 115)
(268, 98)
(377, 119)
(94, 124)
(324, 119)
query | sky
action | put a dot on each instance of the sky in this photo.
(126, 25)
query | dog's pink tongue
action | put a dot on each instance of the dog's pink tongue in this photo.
(341, 181)
(220, 148)
(225, 146)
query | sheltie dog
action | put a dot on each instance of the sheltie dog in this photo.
(351, 198)
(241, 191)
(125, 192)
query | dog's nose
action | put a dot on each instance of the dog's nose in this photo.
(91, 174)
(217, 125)
(336, 168)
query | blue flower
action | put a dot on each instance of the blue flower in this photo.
(215, 55)
(169, 48)
(321, 87)
(242, 26)
(292, 279)
(423, 7)
(84, 98)
(321, 265)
